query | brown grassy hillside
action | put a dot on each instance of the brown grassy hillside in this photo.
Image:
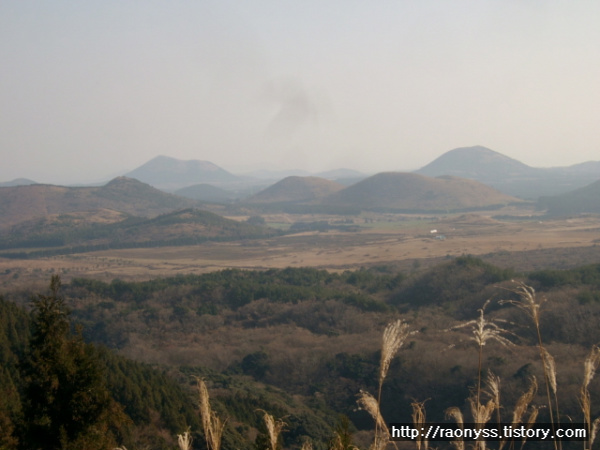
(410, 191)
(296, 189)
(125, 195)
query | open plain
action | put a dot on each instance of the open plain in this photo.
(517, 239)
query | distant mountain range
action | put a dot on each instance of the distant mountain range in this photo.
(509, 175)
(203, 181)
(128, 212)
(494, 169)
(478, 163)
(391, 191)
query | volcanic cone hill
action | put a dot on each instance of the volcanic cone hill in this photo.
(413, 192)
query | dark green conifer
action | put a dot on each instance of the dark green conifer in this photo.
(66, 402)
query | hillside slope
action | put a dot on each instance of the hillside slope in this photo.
(414, 192)
(296, 189)
(125, 195)
(206, 193)
(509, 175)
(579, 201)
(69, 233)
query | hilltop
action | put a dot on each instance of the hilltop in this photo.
(168, 173)
(509, 175)
(478, 163)
(125, 195)
(414, 192)
(17, 182)
(296, 189)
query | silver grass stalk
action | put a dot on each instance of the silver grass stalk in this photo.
(528, 301)
(531, 303)
(185, 441)
(590, 366)
(484, 330)
(211, 423)
(418, 418)
(336, 444)
(493, 385)
(367, 402)
(594, 432)
(456, 414)
(550, 371)
(274, 428)
(530, 421)
(481, 415)
(394, 336)
(550, 367)
(523, 403)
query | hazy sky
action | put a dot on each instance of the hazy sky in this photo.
(90, 89)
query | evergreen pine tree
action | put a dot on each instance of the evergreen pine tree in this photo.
(66, 403)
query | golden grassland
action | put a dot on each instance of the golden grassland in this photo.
(400, 239)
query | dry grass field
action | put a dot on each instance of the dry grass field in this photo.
(406, 241)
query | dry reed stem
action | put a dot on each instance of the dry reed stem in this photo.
(521, 407)
(531, 303)
(211, 423)
(307, 445)
(550, 370)
(336, 443)
(456, 414)
(594, 432)
(550, 367)
(493, 384)
(274, 429)
(528, 301)
(418, 418)
(530, 421)
(481, 413)
(394, 336)
(185, 441)
(382, 436)
(484, 330)
(590, 366)
(524, 401)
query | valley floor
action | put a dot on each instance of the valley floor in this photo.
(524, 243)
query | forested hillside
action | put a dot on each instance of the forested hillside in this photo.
(302, 343)
(59, 392)
(64, 234)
